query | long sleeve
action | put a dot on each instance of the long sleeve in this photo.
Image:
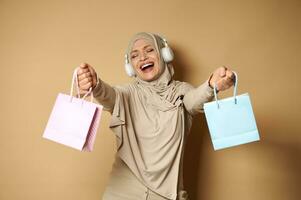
(195, 98)
(105, 95)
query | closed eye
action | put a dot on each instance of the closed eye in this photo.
(134, 56)
(150, 50)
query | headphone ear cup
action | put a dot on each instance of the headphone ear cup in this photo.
(129, 69)
(167, 54)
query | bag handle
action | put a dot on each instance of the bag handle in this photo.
(75, 80)
(234, 92)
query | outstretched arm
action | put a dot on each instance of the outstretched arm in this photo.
(194, 99)
(105, 95)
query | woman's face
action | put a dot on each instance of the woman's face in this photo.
(145, 60)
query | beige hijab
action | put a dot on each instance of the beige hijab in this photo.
(150, 123)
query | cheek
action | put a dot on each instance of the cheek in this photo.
(155, 58)
(157, 61)
(134, 64)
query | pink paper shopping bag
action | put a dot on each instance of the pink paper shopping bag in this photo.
(74, 121)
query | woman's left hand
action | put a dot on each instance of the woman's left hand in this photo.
(223, 78)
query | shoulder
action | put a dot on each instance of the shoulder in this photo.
(125, 88)
(184, 87)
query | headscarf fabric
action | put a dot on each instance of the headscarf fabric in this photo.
(150, 123)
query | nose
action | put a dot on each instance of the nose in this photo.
(143, 56)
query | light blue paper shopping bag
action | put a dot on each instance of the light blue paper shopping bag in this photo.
(231, 120)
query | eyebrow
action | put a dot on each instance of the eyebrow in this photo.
(143, 48)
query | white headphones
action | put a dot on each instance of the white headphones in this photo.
(166, 53)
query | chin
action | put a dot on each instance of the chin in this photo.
(149, 79)
(151, 76)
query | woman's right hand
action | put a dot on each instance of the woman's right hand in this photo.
(87, 78)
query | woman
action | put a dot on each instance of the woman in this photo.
(151, 118)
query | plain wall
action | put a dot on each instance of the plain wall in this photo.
(41, 42)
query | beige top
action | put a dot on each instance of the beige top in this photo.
(151, 137)
(151, 121)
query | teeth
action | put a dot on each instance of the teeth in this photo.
(146, 65)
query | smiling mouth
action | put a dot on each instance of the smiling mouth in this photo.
(147, 67)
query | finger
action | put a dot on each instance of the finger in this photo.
(231, 77)
(84, 65)
(86, 86)
(82, 91)
(219, 85)
(85, 75)
(93, 73)
(228, 82)
(230, 74)
(91, 69)
(85, 81)
(225, 83)
(94, 76)
(80, 71)
(222, 71)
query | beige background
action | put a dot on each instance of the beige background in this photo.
(41, 42)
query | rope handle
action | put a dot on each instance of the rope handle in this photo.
(234, 92)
